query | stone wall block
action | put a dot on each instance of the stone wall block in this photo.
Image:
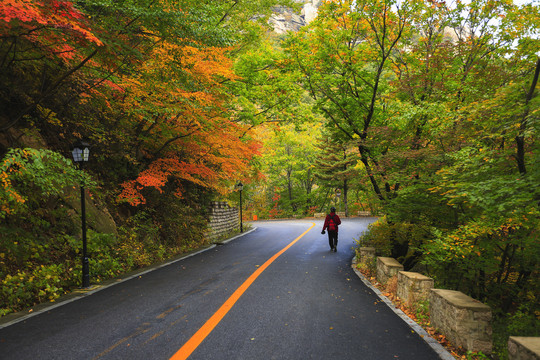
(387, 268)
(463, 320)
(223, 220)
(523, 348)
(413, 286)
(367, 254)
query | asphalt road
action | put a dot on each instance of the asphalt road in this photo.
(306, 304)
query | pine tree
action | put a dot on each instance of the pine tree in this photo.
(335, 166)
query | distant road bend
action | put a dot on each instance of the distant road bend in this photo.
(275, 293)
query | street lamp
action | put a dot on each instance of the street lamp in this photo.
(81, 153)
(240, 187)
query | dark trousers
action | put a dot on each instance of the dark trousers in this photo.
(332, 239)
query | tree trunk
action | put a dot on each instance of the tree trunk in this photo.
(520, 139)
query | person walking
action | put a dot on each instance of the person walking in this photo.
(331, 224)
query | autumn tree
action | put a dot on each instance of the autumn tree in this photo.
(148, 83)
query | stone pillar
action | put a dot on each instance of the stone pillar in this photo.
(413, 286)
(465, 321)
(386, 268)
(366, 254)
(523, 348)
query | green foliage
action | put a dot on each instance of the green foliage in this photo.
(525, 321)
(38, 269)
(476, 355)
(32, 176)
(398, 240)
(421, 311)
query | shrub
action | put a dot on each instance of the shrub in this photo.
(30, 287)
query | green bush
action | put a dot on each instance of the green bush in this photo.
(41, 246)
(30, 177)
(40, 285)
(399, 240)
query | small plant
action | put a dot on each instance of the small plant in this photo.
(391, 285)
(476, 355)
(421, 311)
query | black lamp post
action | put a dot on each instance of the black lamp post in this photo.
(81, 153)
(240, 187)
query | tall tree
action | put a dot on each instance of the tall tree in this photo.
(335, 167)
(344, 57)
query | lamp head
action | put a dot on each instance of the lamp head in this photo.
(240, 186)
(81, 151)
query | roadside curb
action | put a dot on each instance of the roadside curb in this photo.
(78, 294)
(434, 344)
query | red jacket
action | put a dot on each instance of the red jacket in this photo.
(336, 218)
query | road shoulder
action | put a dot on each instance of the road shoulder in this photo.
(77, 294)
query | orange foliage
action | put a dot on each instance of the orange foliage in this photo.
(52, 24)
(179, 95)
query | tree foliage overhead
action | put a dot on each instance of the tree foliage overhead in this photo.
(147, 81)
(150, 84)
(441, 100)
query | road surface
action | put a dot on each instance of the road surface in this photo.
(275, 293)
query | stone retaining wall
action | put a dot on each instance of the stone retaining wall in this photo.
(463, 320)
(223, 220)
(386, 268)
(523, 348)
(413, 286)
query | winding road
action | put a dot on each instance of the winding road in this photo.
(274, 293)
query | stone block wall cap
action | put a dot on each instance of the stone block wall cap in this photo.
(388, 261)
(415, 275)
(460, 300)
(529, 342)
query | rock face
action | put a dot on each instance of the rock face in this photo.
(284, 19)
(310, 10)
(98, 217)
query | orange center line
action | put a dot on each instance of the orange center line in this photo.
(192, 344)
